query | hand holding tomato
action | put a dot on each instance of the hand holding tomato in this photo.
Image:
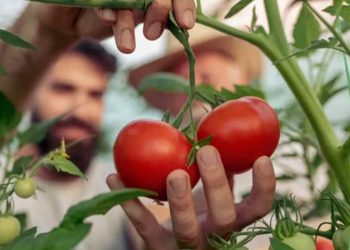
(209, 210)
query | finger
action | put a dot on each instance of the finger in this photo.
(156, 18)
(260, 200)
(221, 207)
(109, 16)
(184, 11)
(185, 226)
(143, 220)
(124, 31)
(90, 25)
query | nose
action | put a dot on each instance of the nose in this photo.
(81, 107)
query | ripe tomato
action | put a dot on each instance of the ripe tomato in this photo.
(242, 130)
(341, 239)
(324, 244)
(9, 229)
(146, 151)
(25, 188)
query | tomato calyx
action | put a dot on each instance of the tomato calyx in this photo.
(196, 145)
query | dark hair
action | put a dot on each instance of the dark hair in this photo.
(96, 53)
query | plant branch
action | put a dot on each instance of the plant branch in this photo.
(329, 26)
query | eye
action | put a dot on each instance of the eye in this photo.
(96, 94)
(62, 87)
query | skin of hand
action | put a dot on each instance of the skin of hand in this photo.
(97, 23)
(210, 210)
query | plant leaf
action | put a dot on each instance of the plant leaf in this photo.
(241, 91)
(9, 116)
(254, 20)
(37, 131)
(14, 40)
(63, 165)
(100, 204)
(164, 82)
(278, 245)
(306, 29)
(344, 11)
(238, 7)
(345, 149)
(60, 238)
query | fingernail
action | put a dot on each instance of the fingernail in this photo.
(154, 30)
(109, 15)
(208, 157)
(188, 18)
(178, 185)
(126, 40)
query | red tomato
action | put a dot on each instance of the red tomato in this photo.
(146, 151)
(242, 130)
(324, 244)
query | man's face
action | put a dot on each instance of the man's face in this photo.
(75, 85)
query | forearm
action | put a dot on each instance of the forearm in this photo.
(24, 67)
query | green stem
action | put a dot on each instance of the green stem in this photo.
(297, 82)
(311, 231)
(329, 26)
(119, 4)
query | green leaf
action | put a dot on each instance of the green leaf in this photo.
(63, 165)
(14, 40)
(344, 12)
(9, 116)
(2, 70)
(278, 245)
(164, 82)
(254, 20)
(37, 132)
(328, 89)
(61, 238)
(166, 117)
(306, 29)
(21, 240)
(238, 7)
(241, 91)
(22, 218)
(100, 204)
(20, 165)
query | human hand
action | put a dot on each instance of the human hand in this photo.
(79, 22)
(210, 210)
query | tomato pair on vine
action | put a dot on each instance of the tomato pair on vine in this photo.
(242, 130)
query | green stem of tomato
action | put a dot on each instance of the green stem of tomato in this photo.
(275, 48)
(119, 4)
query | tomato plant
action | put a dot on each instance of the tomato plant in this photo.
(300, 241)
(25, 188)
(324, 244)
(9, 229)
(341, 239)
(242, 131)
(146, 151)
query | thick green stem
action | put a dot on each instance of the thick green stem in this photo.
(119, 4)
(302, 90)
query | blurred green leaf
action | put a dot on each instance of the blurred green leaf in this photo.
(63, 165)
(2, 70)
(22, 239)
(37, 131)
(238, 7)
(20, 165)
(285, 177)
(345, 149)
(306, 29)
(276, 244)
(344, 12)
(14, 40)
(61, 238)
(9, 116)
(22, 218)
(254, 20)
(164, 82)
(329, 89)
(100, 204)
(241, 91)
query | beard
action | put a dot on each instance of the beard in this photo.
(81, 153)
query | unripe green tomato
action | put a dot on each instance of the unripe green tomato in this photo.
(341, 239)
(9, 229)
(25, 188)
(300, 241)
